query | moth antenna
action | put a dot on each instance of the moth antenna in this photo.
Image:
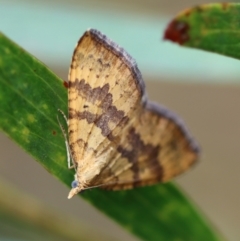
(103, 184)
(69, 154)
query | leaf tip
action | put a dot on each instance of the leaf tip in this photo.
(177, 31)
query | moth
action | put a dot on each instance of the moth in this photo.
(117, 138)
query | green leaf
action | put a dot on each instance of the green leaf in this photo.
(211, 27)
(30, 95)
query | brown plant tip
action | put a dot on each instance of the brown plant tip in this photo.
(65, 84)
(177, 31)
(54, 133)
(225, 5)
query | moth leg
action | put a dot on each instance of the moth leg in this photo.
(64, 116)
(69, 159)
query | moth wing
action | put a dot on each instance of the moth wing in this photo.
(105, 91)
(155, 148)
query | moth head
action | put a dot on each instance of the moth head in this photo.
(75, 188)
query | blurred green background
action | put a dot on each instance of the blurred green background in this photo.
(202, 87)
